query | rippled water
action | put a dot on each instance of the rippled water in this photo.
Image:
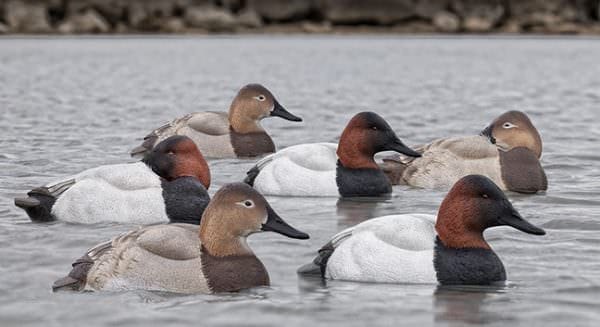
(71, 104)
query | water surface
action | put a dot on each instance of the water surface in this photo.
(71, 104)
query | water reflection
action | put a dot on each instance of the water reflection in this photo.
(467, 304)
(310, 284)
(353, 211)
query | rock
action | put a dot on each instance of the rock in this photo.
(137, 15)
(173, 25)
(479, 16)
(446, 22)
(27, 17)
(148, 15)
(511, 26)
(592, 29)
(547, 14)
(232, 5)
(566, 28)
(113, 11)
(121, 28)
(385, 12)
(477, 24)
(544, 19)
(249, 18)
(87, 22)
(281, 10)
(428, 9)
(3, 29)
(412, 26)
(319, 28)
(210, 18)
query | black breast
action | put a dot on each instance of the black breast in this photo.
(362, 182)
(467, 266)
(251, 144)
(185, 200)
(233, 273)
(522, 171)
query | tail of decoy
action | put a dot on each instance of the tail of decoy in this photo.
(76, 280)
(77, 277)
(254, 171)
(152, 139)
(39, 201)
(318, 266)
(394, 168)
(251, 175)
(148, 144)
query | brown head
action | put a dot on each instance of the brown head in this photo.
(253, 103)
(474, 204)
(366, 134)
(178, 156)
(513, 129)
(234, 212)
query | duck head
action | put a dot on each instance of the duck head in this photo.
(474, 204)
(253, 103)
(178, 156)
(366, 134)
(236, 211)
(514, 129)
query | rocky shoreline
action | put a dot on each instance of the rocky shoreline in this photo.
(299, 16)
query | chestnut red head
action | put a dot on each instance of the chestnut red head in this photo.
(366, 134)
(178, 156)
(474, 204)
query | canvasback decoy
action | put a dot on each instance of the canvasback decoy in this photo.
(184, 258)
(415, 248)
(169, 184)
(329, 169)
(236, 134)
(507, 151)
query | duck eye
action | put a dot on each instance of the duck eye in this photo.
(260, 98)
(485, 196)
(374, 128)
(508, 125)
(171, 153)
(248, 204)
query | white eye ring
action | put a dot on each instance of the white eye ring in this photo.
(260, 98)
(247, 203)
(508, 125)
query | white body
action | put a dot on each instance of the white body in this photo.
(120, 193)
(445, 161)
(156, 258)
(300, 170)
(388, 249)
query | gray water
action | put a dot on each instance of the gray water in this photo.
(71, 104)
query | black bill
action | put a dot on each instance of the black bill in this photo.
(515, 220)
(276, 224)
(279, 111)
(398, 146)
(487, 132)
